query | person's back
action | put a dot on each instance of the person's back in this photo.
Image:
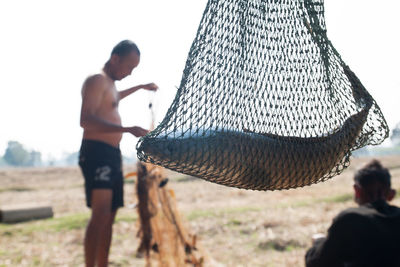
(368, 235)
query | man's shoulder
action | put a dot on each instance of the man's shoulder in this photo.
(367, 212)
(349, 221)
(96, 82)
(96, 78)
(354, 214)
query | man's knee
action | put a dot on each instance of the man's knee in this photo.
(103, 215)
(101, 220)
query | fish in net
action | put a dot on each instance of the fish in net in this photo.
(265, 101)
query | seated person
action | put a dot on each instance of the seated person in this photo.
(368, 235)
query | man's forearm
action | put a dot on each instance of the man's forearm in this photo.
(129, 91)
(93, 123)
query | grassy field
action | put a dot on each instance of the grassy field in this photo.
(236, 227)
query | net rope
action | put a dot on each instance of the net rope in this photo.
(265, 101)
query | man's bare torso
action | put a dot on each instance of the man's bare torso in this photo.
(106, 109)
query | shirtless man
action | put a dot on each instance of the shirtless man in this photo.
(100, 157)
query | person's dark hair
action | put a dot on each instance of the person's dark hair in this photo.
(371, 173)
(124, 48)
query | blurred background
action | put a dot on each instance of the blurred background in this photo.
(49, 47)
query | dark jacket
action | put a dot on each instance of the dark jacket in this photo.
(367, 236)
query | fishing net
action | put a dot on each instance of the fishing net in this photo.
(265, 101)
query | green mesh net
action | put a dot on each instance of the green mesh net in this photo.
(265, 101)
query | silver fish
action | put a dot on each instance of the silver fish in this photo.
(255, 160)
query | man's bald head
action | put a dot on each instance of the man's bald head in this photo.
(125, 57)
(124, 48)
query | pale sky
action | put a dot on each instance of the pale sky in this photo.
(49, 47)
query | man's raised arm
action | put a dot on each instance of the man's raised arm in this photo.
(149, 86)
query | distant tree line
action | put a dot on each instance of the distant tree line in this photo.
(17, 155)
(395, 136)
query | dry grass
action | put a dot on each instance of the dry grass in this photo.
(237, 227)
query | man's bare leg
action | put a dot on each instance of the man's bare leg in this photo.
(104, 244)
(99, 229)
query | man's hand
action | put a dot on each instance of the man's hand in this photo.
(137, 131)
(150, 87)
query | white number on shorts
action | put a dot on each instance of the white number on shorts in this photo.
(103, 173)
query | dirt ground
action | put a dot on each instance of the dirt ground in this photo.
(236, 227)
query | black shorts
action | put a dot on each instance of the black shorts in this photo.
(101, 166)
